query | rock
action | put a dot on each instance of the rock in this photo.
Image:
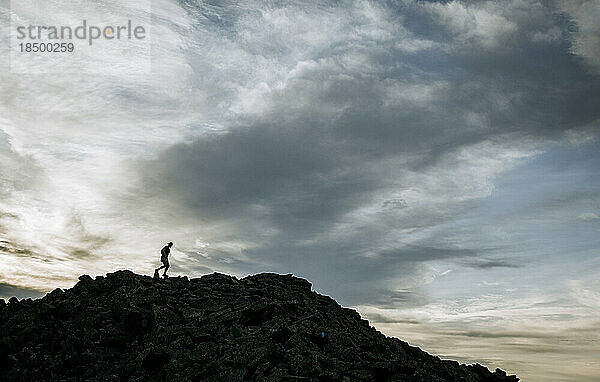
(84, 278)
(155, 359)
(134, 321)
(4, 353)
(500, 372)
(267, 327)
(164, 316)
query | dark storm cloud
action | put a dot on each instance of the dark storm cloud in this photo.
(315, 152)
(491, 263)
(8, 290)
(238, 168)
(304, 177)
(531, 67)
(423, 253)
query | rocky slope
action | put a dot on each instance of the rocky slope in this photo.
(266, 327)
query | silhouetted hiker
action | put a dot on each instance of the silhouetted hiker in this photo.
(164, 258)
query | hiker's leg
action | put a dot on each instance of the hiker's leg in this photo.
(159, 268)
(166, 267)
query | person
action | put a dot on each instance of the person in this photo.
(164, 258)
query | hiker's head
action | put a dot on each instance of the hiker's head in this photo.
(170, 244)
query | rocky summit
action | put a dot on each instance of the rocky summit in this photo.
(265, 327)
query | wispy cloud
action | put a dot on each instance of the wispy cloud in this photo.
(491, 263)
(588, 216)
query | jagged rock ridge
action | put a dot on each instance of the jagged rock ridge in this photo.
(265, 327)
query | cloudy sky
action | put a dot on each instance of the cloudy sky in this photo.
(434, 165)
